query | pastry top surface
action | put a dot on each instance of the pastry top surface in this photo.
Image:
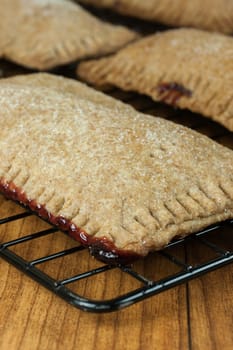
(199, 63)
(45, 34)
(131, 178)
(214, 15)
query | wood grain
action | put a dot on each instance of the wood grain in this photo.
(211, 302)
(33, 318)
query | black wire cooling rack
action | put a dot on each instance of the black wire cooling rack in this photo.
(149, 287)
(181, 260)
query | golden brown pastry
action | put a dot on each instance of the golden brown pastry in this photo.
(213, 15)
(121, 182)
(43, 34)
(66, 86)
(187, 68)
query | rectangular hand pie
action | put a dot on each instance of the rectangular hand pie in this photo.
(45, 34)
(213, 15)
(187, 68)
(121, 182)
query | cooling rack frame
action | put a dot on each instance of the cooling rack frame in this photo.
(149, 288)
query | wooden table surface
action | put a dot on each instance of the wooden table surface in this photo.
(197, 315)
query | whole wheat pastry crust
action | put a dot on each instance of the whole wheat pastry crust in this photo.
(43, 34)
(121, 182)
(187, 68)
(213, 15)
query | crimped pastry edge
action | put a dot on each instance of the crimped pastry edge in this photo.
(101, 247)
